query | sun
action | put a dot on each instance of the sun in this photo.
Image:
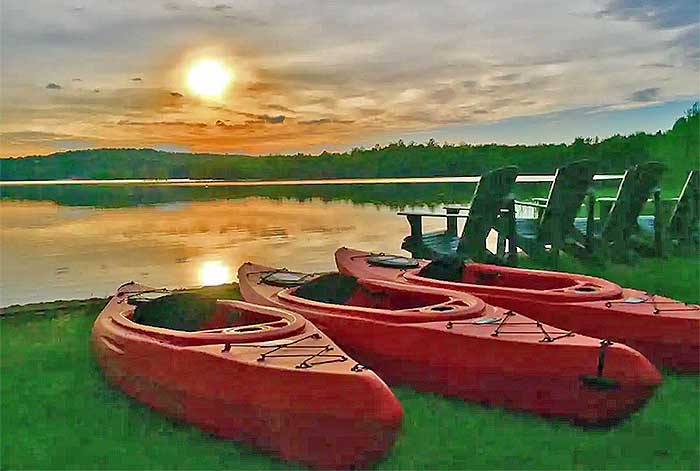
(208, 78)
(214, 273)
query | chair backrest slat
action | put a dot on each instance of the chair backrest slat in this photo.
(490, 196)
(570, 186)
(638, 183)
(686, 215)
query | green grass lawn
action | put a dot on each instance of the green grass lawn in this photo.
(59, 413)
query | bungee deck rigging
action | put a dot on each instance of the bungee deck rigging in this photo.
(455, 344)
(502, 323)
(651, 298)
(665, 330)
(241, 376)
(307, 357)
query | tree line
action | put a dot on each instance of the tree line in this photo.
(678, 148)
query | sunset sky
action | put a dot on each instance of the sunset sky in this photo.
(315, 75)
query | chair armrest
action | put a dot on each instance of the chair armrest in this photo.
(607, 198)
(531, 204)
(434, 215)
(457, 207)
(541, 200)
(651, 200)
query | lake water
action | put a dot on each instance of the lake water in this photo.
(57, 252)
(75, 241)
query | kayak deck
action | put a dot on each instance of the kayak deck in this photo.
(272, 379)
(487, 354)
(665, 330)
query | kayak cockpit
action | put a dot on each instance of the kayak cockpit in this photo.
(536, 280)
(335, 288)
(339, 294)
(189, 319)
(492, 276)
(192, 313)
(454, 270)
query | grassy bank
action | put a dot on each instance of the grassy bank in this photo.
(59, 413)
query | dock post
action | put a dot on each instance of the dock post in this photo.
(502, 227)
(605, 207)
(512, 235)
(452, 222)
(590, 221)
(416, 223)
(658, 223)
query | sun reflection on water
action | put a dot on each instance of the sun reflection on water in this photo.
(214, 273)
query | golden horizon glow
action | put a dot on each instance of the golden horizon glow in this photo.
(214, 273)
(209, 78)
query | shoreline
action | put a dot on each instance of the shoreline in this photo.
(21, 309)
(324, 181)
(62, 304)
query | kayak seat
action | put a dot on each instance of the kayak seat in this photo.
(181, 311)
(333, 288)
(336, 288)
(339, 289)
(541, 281)
(487, 277)
(191, 312)
(446, 268)
(374, 299)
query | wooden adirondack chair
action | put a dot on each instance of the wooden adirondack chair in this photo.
(553, 224)
(615, 232)
(491, 196)
(683, 225)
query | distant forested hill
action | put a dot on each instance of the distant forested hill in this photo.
(678, 148)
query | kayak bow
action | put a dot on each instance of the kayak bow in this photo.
(454, 344)
(665, 330)
(270, 378)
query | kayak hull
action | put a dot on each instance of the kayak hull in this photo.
(667, 341)
(470, 360)
(664, 330)
(299, 413)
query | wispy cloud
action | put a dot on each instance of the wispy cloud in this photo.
(335, 73)
(659, 13)
(645, 95)
(221, 7)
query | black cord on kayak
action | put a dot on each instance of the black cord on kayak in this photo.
(503, 323)
(651, 298)
(599, 381)
(604, 344)
(308, 358)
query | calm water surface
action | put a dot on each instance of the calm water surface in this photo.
(73, 241)
(54, 252)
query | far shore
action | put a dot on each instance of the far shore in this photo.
(328, 181)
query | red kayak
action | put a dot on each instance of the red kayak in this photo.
(268, 377)
(455, 344)
(665, 330)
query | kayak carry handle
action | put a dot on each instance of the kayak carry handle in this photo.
(599, 381)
